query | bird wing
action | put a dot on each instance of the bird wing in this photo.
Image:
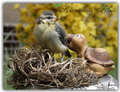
(62, 34)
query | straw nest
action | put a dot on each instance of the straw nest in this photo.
(38, 69)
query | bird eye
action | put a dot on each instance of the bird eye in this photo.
(49, 17)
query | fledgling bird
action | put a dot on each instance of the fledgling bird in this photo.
(50, 34)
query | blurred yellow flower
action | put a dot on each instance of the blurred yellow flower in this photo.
(110, 50)
(97, 21)
(92, 32)
(85, 14)
(16, 6)
(27, 28)
(23, 12)
(18, 27)
(91, 25)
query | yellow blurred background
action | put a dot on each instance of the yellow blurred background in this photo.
(97, 21)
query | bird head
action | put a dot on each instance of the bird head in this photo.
(47, 17)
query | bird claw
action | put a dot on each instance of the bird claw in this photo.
(84, 62)
(62, 59)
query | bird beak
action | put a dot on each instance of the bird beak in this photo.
(55, 19)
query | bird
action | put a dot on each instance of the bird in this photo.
(50, 34)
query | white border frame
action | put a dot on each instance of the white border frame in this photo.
(48, 1)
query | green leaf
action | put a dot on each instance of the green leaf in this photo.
(6, 71)
(57, 4)
(114, 72)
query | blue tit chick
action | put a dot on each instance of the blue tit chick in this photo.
(50, 34)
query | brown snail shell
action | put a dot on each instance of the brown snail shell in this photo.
(99, 61)
(99, 56)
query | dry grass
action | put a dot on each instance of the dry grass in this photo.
(37, 69)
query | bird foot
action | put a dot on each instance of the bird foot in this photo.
(84, 63)
(62, 59)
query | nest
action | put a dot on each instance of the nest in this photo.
(37, 69)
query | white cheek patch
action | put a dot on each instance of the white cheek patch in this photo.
(47, 21)
(44, 21)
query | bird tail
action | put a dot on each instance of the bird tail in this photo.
(67, 53)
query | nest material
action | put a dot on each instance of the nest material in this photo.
(38, 69)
